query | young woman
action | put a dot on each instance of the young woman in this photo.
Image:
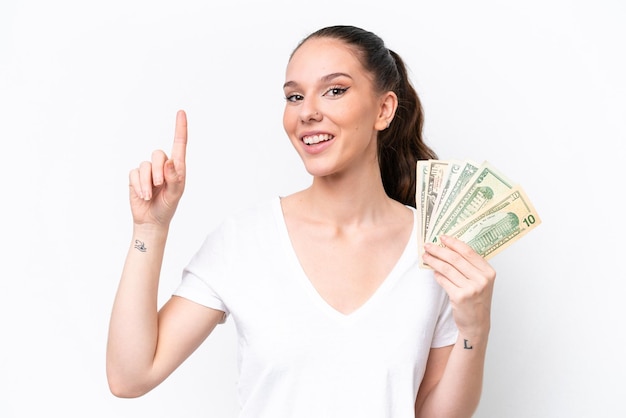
(334, 316)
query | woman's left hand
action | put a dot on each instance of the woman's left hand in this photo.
(468, 280)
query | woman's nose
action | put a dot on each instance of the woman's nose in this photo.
(309, 112)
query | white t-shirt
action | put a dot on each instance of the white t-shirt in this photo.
(298, 357)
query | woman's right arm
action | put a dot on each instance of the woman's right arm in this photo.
(144, 344)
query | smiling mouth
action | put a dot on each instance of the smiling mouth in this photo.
(316, 139)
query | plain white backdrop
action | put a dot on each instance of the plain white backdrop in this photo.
(89, 89)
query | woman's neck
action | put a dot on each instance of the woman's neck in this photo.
(343, 200)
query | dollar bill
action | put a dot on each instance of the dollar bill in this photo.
(420, 194)
(482, 188)
(499, 225)
(474, 203)
(451, 177)
(458, 183)
(435, 182)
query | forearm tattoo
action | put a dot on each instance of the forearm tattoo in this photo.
(140, 246)
(466, 346)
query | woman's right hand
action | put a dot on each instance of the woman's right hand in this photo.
(156, 186)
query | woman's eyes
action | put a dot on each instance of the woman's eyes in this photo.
(331, 92)
(294, 97)
(335, 91)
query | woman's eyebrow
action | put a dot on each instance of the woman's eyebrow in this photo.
(323, 79)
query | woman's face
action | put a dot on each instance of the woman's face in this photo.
(332, 113)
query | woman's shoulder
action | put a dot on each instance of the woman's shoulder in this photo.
(254, 215)
(242, 226)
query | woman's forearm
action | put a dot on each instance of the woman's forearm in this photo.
(458, 392)
(133, 328)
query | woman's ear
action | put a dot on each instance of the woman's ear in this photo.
(388, 106)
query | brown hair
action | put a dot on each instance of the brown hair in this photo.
(400, 145)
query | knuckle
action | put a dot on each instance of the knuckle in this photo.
(470, 293)
(145, 168)
(467, 252)
(455, 258)
(446, 269)
(481, 284)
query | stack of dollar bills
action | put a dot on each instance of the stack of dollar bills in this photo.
(473, 202)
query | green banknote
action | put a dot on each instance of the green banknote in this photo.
(437, 171)
(481, 189)
(475, 203)
(420, 194)
(458, 181)
(496, 227)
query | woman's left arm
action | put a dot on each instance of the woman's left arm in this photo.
(468, 280)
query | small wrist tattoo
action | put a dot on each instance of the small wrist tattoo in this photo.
(141, 247)
(465, 346)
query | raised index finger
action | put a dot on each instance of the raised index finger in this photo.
(179, 148)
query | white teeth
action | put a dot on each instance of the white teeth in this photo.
(314, 139)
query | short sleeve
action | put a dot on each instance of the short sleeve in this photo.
(205, 271)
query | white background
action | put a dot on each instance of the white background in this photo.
(89, 89)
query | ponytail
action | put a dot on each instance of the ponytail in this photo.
(402, 144)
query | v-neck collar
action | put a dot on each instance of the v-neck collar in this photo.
(404, 261)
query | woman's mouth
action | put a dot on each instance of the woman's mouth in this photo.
(316, 139)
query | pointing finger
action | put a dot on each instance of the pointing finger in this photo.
(179, 149)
